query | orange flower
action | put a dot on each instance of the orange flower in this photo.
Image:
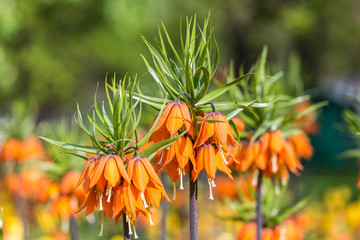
(248, 232)
(68, 183)
(302, 145)
(145, 179)
(210, 159)
(307, 122)
(175, 116)
(287, 230)
(62, 207)
(100, 177)
(239, 124)
(11, 150)
(274, 155)
(144, 191)
(218, 133)
(175, 159)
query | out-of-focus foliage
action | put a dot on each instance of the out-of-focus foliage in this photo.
(55, 51)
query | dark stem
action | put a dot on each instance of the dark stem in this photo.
(258, 207)
(193, 205)
(74, 228)
(132, 147)
(212, 105)
(184, 93)
(164, 209)
(125, 228)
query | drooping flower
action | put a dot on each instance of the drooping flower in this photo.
(99, 178)
(218, 133)
(138, 196)
(274, 154)
(175, 159)
(175, 116)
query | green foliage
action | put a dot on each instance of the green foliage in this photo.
(277, 205)
(285, 92)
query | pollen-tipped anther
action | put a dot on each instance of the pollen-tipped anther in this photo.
(150, 220)
(210, 188)
(144, 200)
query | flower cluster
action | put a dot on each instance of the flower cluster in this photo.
(274, 154)
(208, 151)
(117, 190)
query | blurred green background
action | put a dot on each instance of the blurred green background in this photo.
(53, 52)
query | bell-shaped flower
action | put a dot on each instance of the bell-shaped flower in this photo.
(209, 159)
(175, 116)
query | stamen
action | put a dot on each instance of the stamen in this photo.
(101, 229)
(143, 198)
(210, 187)
(100, 197)
(108, 193)
(181, 179)
(284, 181)
(254, 181)
(151, 222)
(129, 224)
(174, 196)
(274, 162)
(161, 157)
(101, 217)
(222, 154)
(135, 235)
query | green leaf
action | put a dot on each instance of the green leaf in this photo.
(160, 145)
(352, 153)
(151, 131)
(292, 210)
(221, 90)
(81, 148)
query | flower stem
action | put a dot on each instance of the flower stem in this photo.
(74, 228)
(164, 210)
(126, 228)
(193, 206)
(258, 207)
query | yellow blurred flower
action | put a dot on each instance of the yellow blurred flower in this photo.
(353, 214)
(336, 198)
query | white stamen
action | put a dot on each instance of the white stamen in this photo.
(100, 196)
(284, 181)
(135, 235)
(129, 224)
(213, 183)
(210, 187)
(101, 229)
(222, 154)
(151, 222)
(144, 200)
(108, 193)
(161, 157)
(174, 196)
(274, 162)
(254, 181)
(181, 179)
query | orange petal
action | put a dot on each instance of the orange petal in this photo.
(164, 115)
(210, 161)
(277, 141)
(100, 164)
(174, 121)
(121, 167)
(140, 177)
(111, 173)
(150, 171)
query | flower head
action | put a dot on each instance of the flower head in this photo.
(175, 116)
